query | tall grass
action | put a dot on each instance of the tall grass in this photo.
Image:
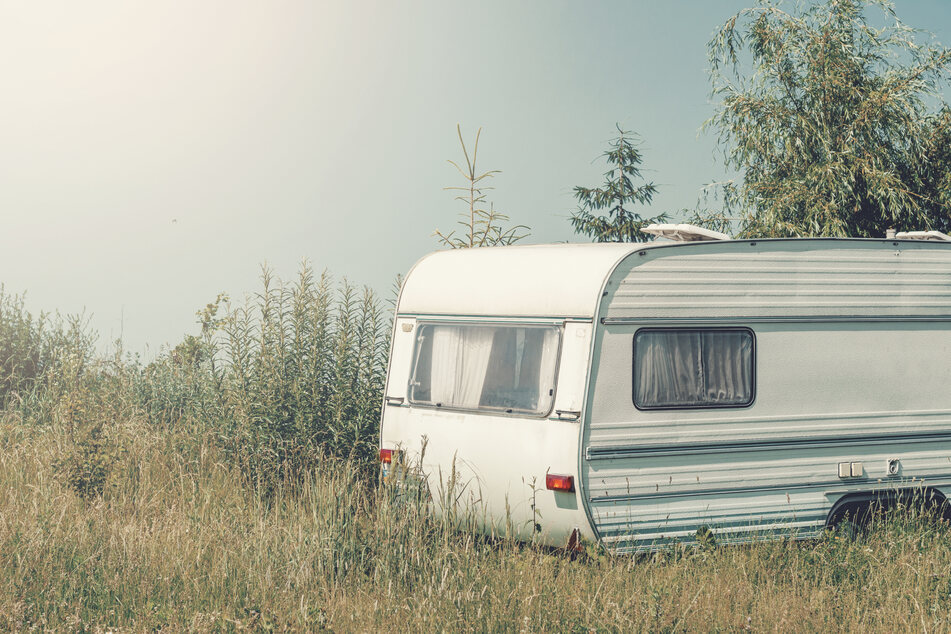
(182, 541)
(39, 354)
(293, 373)
(225, 486)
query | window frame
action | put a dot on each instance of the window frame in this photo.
(558, 326)
(699, 329)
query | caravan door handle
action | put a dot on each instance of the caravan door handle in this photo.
(394, 400)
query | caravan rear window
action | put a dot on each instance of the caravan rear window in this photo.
(502, 369)
(692, 368)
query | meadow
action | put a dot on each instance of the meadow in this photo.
(231, 484)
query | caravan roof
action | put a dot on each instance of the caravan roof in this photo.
(548, 280)
(565, 280)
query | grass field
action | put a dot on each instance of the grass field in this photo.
(178, 542)
(229, 485)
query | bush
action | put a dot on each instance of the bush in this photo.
(89, 466)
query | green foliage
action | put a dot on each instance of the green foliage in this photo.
(34, 349)
(52, 377)
(21, 346)
(616, 196)
(833, 115)
(481, 227)
(302, 369)
(89, 465)
(91, 401)
(294, 374)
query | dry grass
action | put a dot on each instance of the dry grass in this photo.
(178, 542)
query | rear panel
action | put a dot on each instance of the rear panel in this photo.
(492, 465)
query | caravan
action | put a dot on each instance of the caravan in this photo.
(636, 394)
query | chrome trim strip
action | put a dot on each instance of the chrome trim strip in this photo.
(843, 487)
(753, 319)
(615, 453)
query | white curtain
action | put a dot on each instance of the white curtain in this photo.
(727, 363)
(546, 370)
(685, 368)
(493, 368)
(444, 363)
(460, 360)
(473, 364)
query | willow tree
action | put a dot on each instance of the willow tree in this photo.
(607, 213)
(833, 116)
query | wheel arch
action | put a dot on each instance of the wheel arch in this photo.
(851, 503)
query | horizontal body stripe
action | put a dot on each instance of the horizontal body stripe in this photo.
(745, 276)
(766, 319)
(614, 453)
(835, 487)
(743, 418)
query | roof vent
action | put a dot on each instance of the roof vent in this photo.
(935, 236)
(685, 233)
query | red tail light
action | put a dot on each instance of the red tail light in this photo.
(559, 482)
(387, 455)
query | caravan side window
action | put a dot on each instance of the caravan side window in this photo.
(503, 369)
(691, 368)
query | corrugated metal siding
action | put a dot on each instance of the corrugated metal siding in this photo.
(827, 389)
(636, 505)
(783, 279)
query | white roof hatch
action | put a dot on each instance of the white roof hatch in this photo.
(935, 236)
(684, 233)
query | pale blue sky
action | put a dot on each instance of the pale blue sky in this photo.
(154, 153)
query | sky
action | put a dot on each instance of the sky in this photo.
(154, 154)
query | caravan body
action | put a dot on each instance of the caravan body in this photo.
(636, 394)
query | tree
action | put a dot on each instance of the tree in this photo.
(617, 196)
(482, 227)
(825, 113)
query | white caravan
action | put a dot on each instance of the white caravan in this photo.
(639, 393)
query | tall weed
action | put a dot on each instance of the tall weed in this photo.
(293, 374)
(302, 374)
(37, 354)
